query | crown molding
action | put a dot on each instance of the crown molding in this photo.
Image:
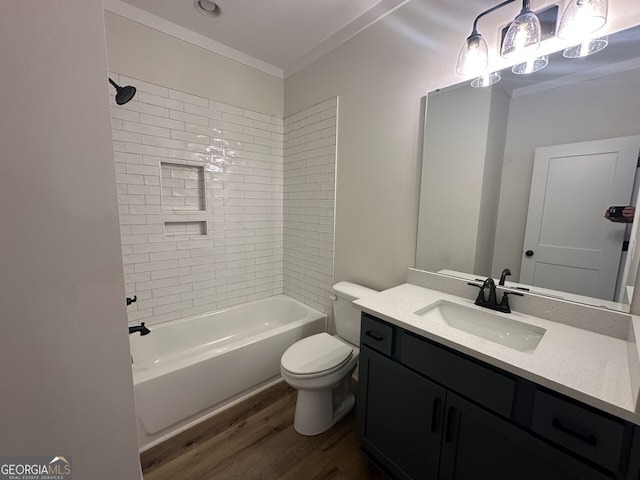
(368, 18)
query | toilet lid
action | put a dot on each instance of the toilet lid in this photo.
(316, 354)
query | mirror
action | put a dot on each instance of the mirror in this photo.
(485, 149)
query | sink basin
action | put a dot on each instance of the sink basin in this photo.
(485, 324)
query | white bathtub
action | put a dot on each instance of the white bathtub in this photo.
(189, 369)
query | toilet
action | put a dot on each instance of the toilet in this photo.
(320, 366)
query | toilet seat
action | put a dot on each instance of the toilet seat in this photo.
(315, 356)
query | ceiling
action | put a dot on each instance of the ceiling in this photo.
(285, 34)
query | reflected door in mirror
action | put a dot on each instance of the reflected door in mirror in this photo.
(575, 248)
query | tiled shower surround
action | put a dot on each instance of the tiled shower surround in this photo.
(309, 193)
(205, 191)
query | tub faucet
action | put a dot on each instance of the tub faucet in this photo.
(139, 328)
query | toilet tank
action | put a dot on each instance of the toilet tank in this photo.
(347, 317)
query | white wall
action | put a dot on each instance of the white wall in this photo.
(380, 75)
(461, 179)
(452, 179)
(142, 52)
(65, 375)
(492, 175)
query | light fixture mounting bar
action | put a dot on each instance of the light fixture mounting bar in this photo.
(489, 10)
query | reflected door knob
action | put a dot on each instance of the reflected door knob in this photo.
(529, 253)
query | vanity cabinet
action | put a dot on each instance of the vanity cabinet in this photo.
(397, 396)
(428, 412)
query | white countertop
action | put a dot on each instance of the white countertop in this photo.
(590, 367)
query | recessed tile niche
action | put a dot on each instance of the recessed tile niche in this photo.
(182, 187)
(183, 192)
(190, 228)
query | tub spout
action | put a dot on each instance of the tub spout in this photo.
(139, 328)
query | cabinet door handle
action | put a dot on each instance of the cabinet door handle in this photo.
(451, 415)
(435, 414)
(375, 335)
(574, 431)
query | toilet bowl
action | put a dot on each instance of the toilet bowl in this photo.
(320, 367)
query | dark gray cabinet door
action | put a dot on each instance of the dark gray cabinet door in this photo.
(478, 445)
(634, 455)
(400, 417)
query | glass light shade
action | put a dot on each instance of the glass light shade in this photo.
(581, 18)
(523, 36)
(486, 80)
(473, 57)
(531, 65)
(588, 47)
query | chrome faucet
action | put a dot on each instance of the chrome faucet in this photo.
(492, 301)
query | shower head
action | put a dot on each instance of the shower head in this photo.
(123, 94)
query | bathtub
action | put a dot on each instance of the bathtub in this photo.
(187, 370)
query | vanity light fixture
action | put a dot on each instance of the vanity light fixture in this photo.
(519, 39)
(581, 18)
(523, 35)
(474, 57)
(531, 65)
(589, 47)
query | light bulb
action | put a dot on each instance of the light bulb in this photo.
(473, 57)
(523, 36)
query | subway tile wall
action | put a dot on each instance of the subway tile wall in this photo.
(309, 193)
(200, 194)
(213, 211)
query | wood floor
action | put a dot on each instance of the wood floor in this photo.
(256, 440)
